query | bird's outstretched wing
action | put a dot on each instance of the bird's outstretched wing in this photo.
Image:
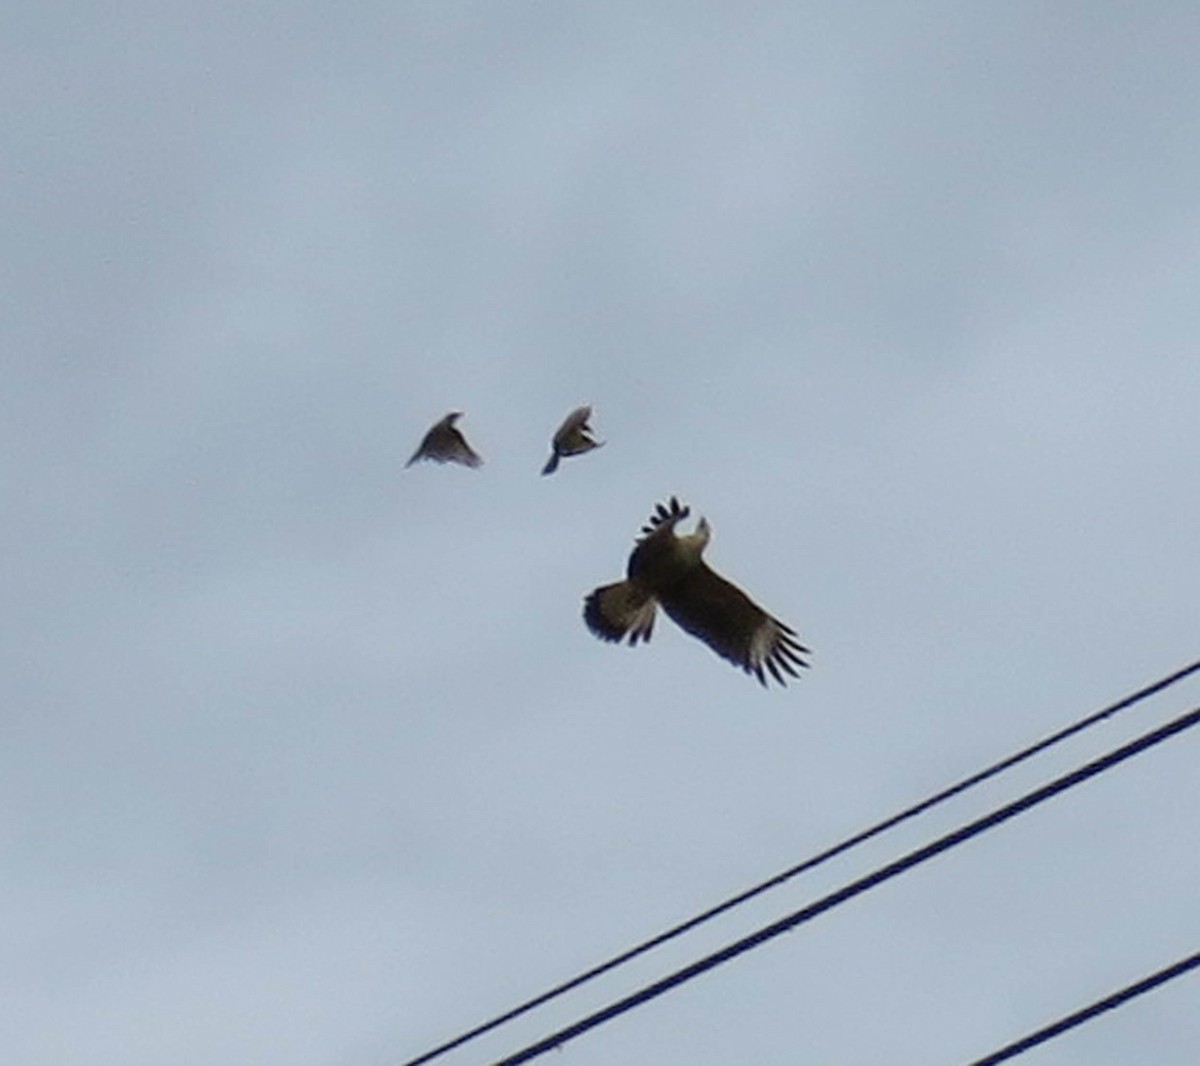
(444, 443)
(733, 625)
(615, 611)
(675, 512)
(459, 451)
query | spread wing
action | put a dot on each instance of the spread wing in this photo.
(670, 515)
(733, 625)
(614, 611)
(459, 451)
(445, 444)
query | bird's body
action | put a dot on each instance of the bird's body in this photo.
(573, 437)
(444, 443)
(668, 568)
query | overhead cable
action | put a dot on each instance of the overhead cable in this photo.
(810, 863)
(855, 888)
(1011, 1051)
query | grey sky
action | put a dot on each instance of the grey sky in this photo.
(309, 758)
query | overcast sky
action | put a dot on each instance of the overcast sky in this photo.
(308, 758)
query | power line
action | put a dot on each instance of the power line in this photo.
(855, 888)
(1011, 1051)
(809, 863)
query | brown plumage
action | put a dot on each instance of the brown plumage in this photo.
(666, 568)
(445, 444)
(573, 437)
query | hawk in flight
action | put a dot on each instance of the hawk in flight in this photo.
(667, 568)
(573, 437)
(445, 444)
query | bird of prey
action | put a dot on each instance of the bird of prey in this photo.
(667, 568)
(445, 444)
(572, 438)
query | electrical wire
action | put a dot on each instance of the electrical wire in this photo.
(810, 863)
(1018, 1047)
(855, 888)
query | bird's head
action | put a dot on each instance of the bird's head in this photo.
(694, 543)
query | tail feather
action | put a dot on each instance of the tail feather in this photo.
(615, 611)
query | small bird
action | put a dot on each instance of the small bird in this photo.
(445, 444)
(572, 438)
(666, 568)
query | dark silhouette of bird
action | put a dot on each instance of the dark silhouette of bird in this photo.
(573, 437)
(667, 568)
(446, 444)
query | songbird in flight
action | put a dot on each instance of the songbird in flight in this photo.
(573, 437)
(667, 568)
(446, 444)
